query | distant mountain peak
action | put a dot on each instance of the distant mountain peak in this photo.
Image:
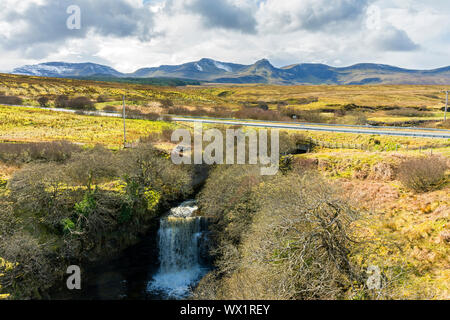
(206, 60)
(65, 69)
(264, 63)
(262, 71)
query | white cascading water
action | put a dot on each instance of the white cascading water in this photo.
(179, 252)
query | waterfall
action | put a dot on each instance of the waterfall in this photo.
(180, 242)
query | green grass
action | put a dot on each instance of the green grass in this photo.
(32, 125)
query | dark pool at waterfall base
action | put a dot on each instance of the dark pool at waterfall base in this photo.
(166, 265)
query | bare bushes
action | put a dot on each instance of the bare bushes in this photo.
(137, 114)
(43, 101)
(181, 111)
(10, 100)
(313, 116)
(294, 241)
(245, 112)
(89, 207)
(58, 151)
(80, 103)
(299, 244)
(91, 167)
(32, 273)
(259, 111)
(146, 167)
(423, 174)
(164, 136)
(103, 98)
(61, 101)
(226, 197)
(77, 103)
(259, 114)
(29, 272)
(445, 124)
(354, 118)
(166, 103)
(111, 109)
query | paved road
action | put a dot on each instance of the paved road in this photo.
(316, 127)
(387, 131)
(327, 124)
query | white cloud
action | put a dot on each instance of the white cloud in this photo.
(132, 35)
(311, 15)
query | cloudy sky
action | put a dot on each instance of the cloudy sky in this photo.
(129, 34)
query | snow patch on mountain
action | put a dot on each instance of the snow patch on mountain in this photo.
(42, 69)
(199, 67)
(222, 66)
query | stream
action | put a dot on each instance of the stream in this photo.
(168, 270)
(182, 244)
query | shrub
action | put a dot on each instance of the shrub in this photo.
(178, 111)
(68, 225)
(305, 115)
(58, 151)
(37, 189)
(151, 138)
(11, 100)
(32, 271)
(311, 116)
(258, 114)
(406, 112)
(356, 117)
(219, 112)
(167, 118)
(305, 164)
(422, 174)
(87, 205)
(43, 101)
(445, 124)
(102, 98)
(144, 165)
(166, 134)
(286, 238)
(90, 207)
(308, 100)
(9, 222)
(263, 105)
(81, 103)
(227, 197)
(150, 116)
(110, 109)
(61, 101)
(166, 103)
(133, 113)
(91, 167)
(137, 114)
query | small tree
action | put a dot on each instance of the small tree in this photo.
(43, 101)
(81, 103)
(61, 101)
(91, 167)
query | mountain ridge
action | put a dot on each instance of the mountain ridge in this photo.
(262, 71)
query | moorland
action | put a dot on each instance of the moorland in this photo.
(310, 232)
